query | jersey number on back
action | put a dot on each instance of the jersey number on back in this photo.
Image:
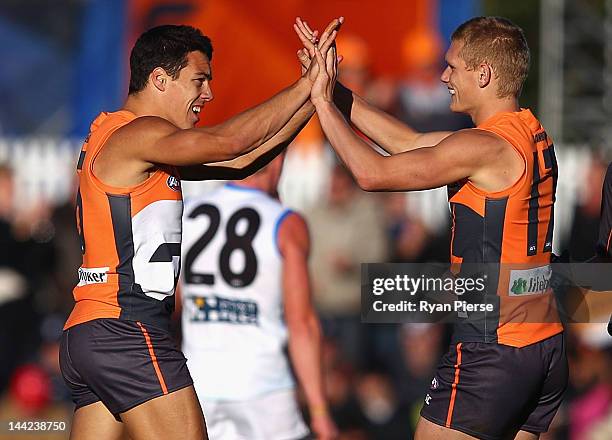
(234, 242)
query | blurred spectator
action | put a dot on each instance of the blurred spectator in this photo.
(585, 225)
(590, 403)
(407, 236)
(36, 389)
(420, 348)
(347, 230)
(423, 99)
(339, 377)
(16, 336)
(385, 414)
(68, 257)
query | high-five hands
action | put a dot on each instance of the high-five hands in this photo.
(310, 40)
(323, 88)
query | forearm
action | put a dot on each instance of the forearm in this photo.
(251, 162)
(359, 158)
(305, 352)
(260, 123)
(388, 132)
(265, 153)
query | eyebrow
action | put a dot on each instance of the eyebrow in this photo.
(207, 75)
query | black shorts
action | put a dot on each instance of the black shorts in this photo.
(121, 363)
(491, 391)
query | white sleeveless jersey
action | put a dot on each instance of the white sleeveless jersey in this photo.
(233, 329)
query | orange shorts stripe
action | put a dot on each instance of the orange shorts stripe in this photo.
(609, 237)
(451, 406)
(160, 377)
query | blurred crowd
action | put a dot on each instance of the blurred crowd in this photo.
(376, 374)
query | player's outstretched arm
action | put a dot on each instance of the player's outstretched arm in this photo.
(161, 142)
(302, 322)
(465, 154)
(385, 130)
(249, 163)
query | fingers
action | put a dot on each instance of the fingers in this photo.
(303, 57)
(306, 32)
(320, 60)
(333, 25)
(330, 62)
(325, 45)
(305, 28)
(306, 40)
(309, 37)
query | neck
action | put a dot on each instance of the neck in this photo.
(140, 105)
(493, 107)
(256, 181)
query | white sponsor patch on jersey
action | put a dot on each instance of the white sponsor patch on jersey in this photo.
(92, 275)
(530, 281)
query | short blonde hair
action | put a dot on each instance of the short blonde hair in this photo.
(501, 44)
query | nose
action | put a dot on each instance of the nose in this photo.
(206, 94)
(445, 77)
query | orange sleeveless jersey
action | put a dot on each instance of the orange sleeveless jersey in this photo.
(130, 239)
(514, 229)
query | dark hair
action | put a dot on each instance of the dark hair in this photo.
(502, 44)
(167, 47)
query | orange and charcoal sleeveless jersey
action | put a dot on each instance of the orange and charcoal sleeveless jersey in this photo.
(513, 229)
(130, 239)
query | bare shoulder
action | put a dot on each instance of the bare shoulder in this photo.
(143, 130)
(471, 136)
(293, 231)
(122, 162)
(475, 140)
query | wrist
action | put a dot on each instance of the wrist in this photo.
(321, 103)
(318, 410)
(304, 83)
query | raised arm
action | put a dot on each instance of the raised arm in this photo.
(302, 322)
(472, 153)
(249, 163)
(154, 140)
(385, 130)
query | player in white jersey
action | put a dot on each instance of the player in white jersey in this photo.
(246, 295)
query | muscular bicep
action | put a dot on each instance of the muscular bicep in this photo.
(455, 158)
(158, 141)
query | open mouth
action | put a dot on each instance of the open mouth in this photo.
(196, 109)
(451, 91)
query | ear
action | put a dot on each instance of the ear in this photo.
(484, 75)
(159, 78)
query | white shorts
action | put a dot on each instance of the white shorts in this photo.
(275, 416)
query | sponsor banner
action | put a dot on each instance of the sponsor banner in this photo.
(92, 275)
(486, 295)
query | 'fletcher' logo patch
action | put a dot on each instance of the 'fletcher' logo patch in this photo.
(173, 183)
(92, 275)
